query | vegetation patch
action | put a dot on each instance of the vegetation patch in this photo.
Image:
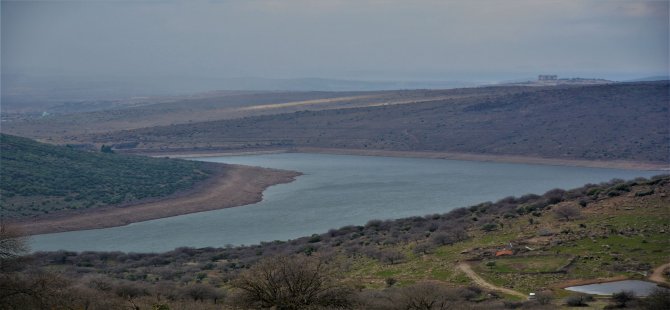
(38, 179)
(526, 264)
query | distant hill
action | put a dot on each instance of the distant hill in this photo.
(22, 93)
(651, 78)
(622, 121)
(322, 84)
(64, 122)
(39, 178)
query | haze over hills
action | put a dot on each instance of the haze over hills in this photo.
(51, 94)
(40, 94)
(219, 105)
(626, 121)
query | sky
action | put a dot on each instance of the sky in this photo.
(358, 39)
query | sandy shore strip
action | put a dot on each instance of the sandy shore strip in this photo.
(230, 186)
(617, 164)
(517, 159)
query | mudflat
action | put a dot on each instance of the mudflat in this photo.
(230, 186)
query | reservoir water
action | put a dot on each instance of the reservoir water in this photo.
(640, 288)
(335, 191)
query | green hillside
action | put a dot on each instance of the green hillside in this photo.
(38, 178)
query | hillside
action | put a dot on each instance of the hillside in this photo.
(612, 230)
(39, 179)
(624, 121)
(64, 124)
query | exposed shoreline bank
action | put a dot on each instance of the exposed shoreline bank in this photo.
(230, 186)
(614, 164)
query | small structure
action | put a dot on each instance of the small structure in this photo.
(547, 77)
(504, 252)
(531, 296)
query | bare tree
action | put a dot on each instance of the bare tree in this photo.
(391, 257)
(567, 212)
(35, 290)
(425, 296)
(201, 292)
(291, 282)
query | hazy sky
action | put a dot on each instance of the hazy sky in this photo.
(365, 39)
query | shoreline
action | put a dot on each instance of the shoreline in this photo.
(515, 159)
(230, 186)
(238, 185)
(654, 277)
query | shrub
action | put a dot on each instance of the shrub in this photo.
(544, 298)
(658, 299)
(442, 239)
(576, 301)
(644, 193)
(294, 282)
(424, 295)
(314, 238)
(490, 227)
(423, 248)
(623, 297)
(567, 212)
(392, 257)
(201, 292)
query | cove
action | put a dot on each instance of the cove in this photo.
(335, 191)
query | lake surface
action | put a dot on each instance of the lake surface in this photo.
(335, 191)
(640, 288)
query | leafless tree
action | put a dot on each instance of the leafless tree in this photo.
(424, 296)
(201, 292)
(291, 282)
(391, 257)
(567, 212)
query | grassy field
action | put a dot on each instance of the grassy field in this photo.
(624, 236)
(524, 264)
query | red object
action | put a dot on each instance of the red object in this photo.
(504, 252)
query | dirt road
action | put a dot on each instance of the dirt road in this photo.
(481, 282)
(657, 275)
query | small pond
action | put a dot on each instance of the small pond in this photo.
(640, 288)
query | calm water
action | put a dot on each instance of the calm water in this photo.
(335, 190)
(640, 288)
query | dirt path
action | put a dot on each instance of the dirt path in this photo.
(231, 186)
(481, 282)
(657, 275)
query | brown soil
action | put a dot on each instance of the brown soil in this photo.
(483, 283)
(657, 275)
(231, 186)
